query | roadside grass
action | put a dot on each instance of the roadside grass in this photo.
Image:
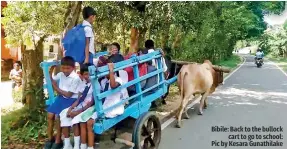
(281, 62)
(231, 62)
(23, 127)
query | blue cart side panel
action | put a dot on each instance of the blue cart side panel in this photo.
(140, 103)
(48, 82)
(45, 66)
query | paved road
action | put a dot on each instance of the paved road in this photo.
(250, 97)
(6, 94)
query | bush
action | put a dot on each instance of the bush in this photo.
(17, 95)
(24, 126)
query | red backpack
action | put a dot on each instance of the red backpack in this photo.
(142, 69)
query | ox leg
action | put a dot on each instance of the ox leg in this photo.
(205, 103)
(181, 108)
(186, 114)
(185, 109)
(202, 101)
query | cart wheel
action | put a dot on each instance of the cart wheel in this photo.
(147, 131)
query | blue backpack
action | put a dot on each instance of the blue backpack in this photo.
(74, 43)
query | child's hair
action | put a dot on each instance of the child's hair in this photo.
(19, 63)
(88, 11)
(149, 44)
(114, 59)
(68, 61)
(117, 45)
(84, 68)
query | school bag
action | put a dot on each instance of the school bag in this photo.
(74, 43)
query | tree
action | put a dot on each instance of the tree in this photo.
(71, 19)
(27, 24)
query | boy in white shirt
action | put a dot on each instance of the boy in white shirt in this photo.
(67, 95)
(69, 117)
(89, 15)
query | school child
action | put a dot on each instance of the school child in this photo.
(67, 95)
(70, 115)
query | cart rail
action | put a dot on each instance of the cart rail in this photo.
(139, 103)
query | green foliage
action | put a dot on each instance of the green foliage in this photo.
(23, 125)
(17, 95)
(24, 21)
(274, 41)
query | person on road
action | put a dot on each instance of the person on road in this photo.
(259, 55)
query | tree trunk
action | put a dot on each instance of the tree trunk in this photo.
(33, 75)
(73, 11)
(165, 33)
(176, 42)
(164, 38)
(124, 47)
(71, 18)
(134, 40)
(149, 32)
(142, 37)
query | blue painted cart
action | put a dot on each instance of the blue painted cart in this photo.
(147, 129)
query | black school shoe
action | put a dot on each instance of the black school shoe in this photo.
(48, 144)
(57, 146)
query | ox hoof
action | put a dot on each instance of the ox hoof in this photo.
(178, 125)
(163, 102)
(205, 107)
(200, 113)
(186, 116)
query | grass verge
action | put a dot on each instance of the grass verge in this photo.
(281, 62)
(231, 62)
(23, 127)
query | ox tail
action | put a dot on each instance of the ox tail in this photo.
(181, 77)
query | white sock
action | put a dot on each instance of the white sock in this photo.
(77, 141)
(90, 147)
(83, 146)
(67, 142)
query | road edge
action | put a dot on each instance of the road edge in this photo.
(281, 69)
(169, 118)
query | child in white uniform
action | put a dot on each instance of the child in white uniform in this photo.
(71, 116)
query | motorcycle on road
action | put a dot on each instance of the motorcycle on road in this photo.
(259, 62)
